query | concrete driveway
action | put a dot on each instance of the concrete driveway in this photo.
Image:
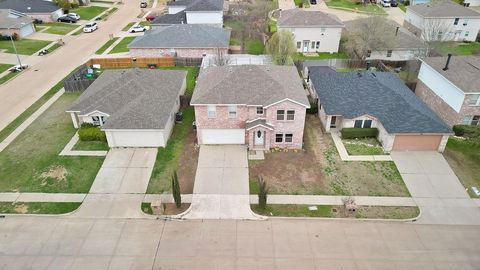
(436, 189)
(221, 184)
(120, 185)
(395, 14)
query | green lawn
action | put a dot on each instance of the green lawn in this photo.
(235, 25)
(464, 158)
(91, 146)
(348, 4)
(145, 23)
(38, 207)
(457, 48)
(192, 74)
(88, 13)
(168, 157)
(122, 45)
(125, 29)
(24, 46)
(106, 45)
(322, 55)
(7, 77)
(4, 67)
(59, 28)
(402, 7)
(31, 162)
(255, 47)
(235, 41)
(306, 3)
(365, 146)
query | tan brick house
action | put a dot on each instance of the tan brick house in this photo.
(261, 106)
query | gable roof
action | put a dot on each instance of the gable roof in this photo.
(249, 84)
(184, 36)
(379, 94)
(299, 17)
(177, 18)
(8, 19)
(442, 9)
(463, 71)
(403, 39)
(134, 98)
(29, 6)
(199, 5)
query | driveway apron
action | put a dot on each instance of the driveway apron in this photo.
(221, 184)
(436, 189)
(120, 185)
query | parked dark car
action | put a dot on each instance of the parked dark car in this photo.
(143, 4)
(37, 21)
(67, 19)
(394, 3)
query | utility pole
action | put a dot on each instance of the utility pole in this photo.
(15, 48)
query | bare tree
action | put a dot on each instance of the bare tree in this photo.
(281, 46)
(436, 30)
(221, 58)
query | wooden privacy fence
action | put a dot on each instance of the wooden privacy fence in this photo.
(77, 81)
(132, 62)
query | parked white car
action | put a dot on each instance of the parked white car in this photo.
(90, 27)
(74, 15)
(386, 3)
(137, 28)
(17, 68)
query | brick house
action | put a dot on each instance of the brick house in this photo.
(181, 40)
(261, 106)
(451, 87)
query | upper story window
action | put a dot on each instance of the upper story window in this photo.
(299, 45)
(474, 100)
(473, 120)
(389, 53)
(280, 114)
(232, 111)
(455, 22)
(259, 110)
(212, 111)
(290, 115)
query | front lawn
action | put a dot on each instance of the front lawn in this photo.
(59, 28)
(254, 46)
(364, 146)
(91, 146)
(9, 76)
(88, 13)
(322, 55)
(128, 26)
(121, 47)
(457, 48)
(106, 45)
(31, 162)
(24, 46)
(464, 158)
(54, 208)
(318, 170)
(353, 6)
(179, 155)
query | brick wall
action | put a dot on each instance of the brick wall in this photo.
(187, 53)
(295, 127)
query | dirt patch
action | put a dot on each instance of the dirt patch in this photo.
(187, 165)
(21, 208)
(171, 208)
(58, 173)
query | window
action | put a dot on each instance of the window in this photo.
(456, 21)
(299, 45)
(474, 100)
(369, 53)
(280, 114)
(259, 110)
(317, 45)
(290, 115)
(465, 22)
(279, 138)
(367, 124)
(467, 33)
(232, 111)
(98, 120)
(288, 138)
(363, 124)
(471, 120)
(389, 53)
(439, 35)
(212, 111)
(313, 44)
(358, 124)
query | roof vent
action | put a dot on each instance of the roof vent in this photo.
(448, 62)
(359, 74)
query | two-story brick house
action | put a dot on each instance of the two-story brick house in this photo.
(451, 87)
(261, 106)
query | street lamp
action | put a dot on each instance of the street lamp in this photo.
(13, 44)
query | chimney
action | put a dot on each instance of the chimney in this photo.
(396, 31)
(448, 62)
(368, 65)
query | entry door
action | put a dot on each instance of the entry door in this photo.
(333, 122)
(457, 35)
(259, 137)
(305, 45)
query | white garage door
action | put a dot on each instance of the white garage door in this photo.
(223, 136)
(134, 138)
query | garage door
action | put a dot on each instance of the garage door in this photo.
(223, 136)
(135, 138)
(417, 142)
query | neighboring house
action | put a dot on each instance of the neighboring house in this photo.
(378, 100)
(451, 87)
(13, 22)
(135, 107)
(181, 40)
(259, 105)
(467, 3)
(443, 21)
(405, 45)
(36, 9)
(192, 12)
(313, 31)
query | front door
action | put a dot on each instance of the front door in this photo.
(259, 137)
(333, 122)
(305, 45)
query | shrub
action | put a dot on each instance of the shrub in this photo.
(459, 130)
(351, 133)
(313, 108)
(177, 197)
(89, 132)
(472, 133)
(262, 193)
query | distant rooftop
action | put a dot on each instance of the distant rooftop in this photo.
(29, 6)
(442, 9)
(199, 5)
(12, 19)
(299, 17)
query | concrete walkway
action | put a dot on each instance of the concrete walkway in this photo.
(342, 151)
(67, 150)
(436, 189)
(41, 197)
(221, 184)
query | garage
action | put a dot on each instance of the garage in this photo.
(223, 136)
(417, 142)
(135, 138)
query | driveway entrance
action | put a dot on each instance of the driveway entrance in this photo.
(221, 184)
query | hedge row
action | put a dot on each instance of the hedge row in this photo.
(351, 133)
(470, 132)
(89, 132)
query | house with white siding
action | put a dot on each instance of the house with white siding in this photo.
(13, 22)
(313, 31)
(192, 12)
(443, 21)
(44, 10)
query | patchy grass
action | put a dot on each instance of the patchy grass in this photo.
(145, 24)
(322, 56)
(122, 45)
(306, 3)
(272, 26)
(365, 146)
(106, 45)
(464, 158)
(45, 171)
(5, 67)
(59, 28)
(88, 13)
(337, 211)
(457, 48)
(192, 74)
(24, 46)
(358, 7)
(255, 47)
(128, 26)
(9, 76)
(54, 47)
(38, 207)
(235, 41)
(91, 146)
(235, 25)
(179, 155)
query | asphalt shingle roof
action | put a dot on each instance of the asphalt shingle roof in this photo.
(299, 17)
(184, 36)
(29, 6)
(199, 5)
(463, 71)
(9, 21)
(177, 18)
(257, 122)
(249, 84)
(442, 9)
(134, 98)
(379, 94)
